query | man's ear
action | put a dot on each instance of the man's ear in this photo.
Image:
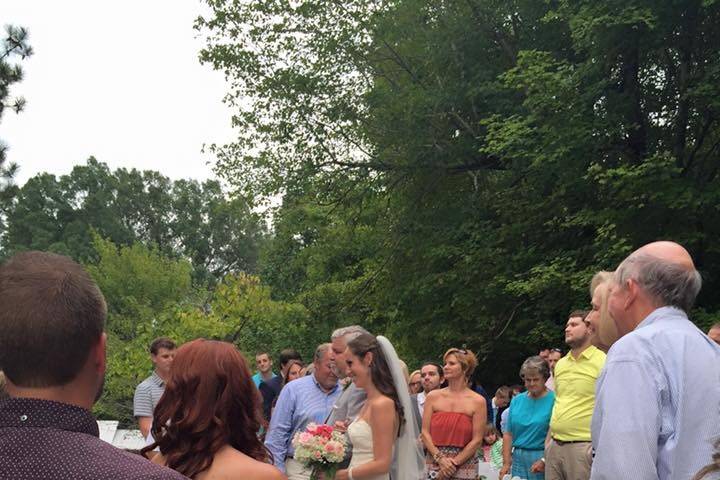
(633, 290)
(100, 353)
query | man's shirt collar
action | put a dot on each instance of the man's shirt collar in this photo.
(33, 412)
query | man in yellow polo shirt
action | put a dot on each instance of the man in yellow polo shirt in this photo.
(568, 449)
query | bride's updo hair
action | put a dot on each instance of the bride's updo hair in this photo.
(380, 372)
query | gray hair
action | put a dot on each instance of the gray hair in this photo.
(321, 351)
(668, 283)
(535, 364)
(349, 333)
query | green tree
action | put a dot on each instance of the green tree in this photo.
(151, 295)
(188, 219)
(13, 45)
(140, 286)
(507, 150)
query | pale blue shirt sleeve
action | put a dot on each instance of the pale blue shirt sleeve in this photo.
(505, 420)
(627, 421)
(278, 438)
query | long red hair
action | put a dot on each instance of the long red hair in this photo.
(210, 401)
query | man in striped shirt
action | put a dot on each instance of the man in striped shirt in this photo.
(148, 393)
(302, 401)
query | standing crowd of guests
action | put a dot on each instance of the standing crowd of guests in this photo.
(636, 396)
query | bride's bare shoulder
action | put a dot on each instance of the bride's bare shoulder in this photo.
(381, 402)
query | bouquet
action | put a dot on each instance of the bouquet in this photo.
(320, 447)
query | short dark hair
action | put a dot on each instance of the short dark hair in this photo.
(434, 364)
(288, 354)
(162, 342)
(579, 313)
(51, 316)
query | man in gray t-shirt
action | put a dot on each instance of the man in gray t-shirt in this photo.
(148, 393)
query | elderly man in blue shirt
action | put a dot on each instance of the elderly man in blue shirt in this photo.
(302, 401)
(658, 398)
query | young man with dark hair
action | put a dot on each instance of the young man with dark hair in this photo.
(271, 389)
(264, 366)
(431, 376)
(53, 353)
(568, 447)
(149, 391)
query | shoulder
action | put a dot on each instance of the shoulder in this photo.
(235, 464)
(382, 402)
(144, 386)
(435, 394)
(477, 399)
(562, 362)
(130, 466)
(290, 392)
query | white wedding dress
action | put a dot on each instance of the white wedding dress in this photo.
(361, 437)
(408, 460)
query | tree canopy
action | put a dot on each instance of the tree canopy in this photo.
(14, 45)
(454, 173)
(183, 218)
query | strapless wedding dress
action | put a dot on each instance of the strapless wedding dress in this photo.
(361, 438)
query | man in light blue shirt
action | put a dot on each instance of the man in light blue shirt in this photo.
(658, 398)
(302, 401)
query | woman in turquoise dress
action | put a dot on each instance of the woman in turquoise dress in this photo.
(528, 423)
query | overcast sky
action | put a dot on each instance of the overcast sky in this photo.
(117, 80)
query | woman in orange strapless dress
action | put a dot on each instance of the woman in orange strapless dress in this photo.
(453, 421)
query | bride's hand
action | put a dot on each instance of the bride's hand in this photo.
(341, 426)
(341, 475)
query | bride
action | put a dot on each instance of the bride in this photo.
(380, 434)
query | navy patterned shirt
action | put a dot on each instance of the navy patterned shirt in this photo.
(45, 440)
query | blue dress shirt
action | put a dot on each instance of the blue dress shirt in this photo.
(657, 408)
(301, 401)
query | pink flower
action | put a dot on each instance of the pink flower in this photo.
(305, 437)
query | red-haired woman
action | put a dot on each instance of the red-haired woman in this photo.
(206, 421)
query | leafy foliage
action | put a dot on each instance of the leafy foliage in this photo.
(150, 295)
(183, 218)
(454, 173)
(13, 45)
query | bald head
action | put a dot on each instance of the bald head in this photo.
(669, 252)
(663, 273)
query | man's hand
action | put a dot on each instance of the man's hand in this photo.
(341, 426)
